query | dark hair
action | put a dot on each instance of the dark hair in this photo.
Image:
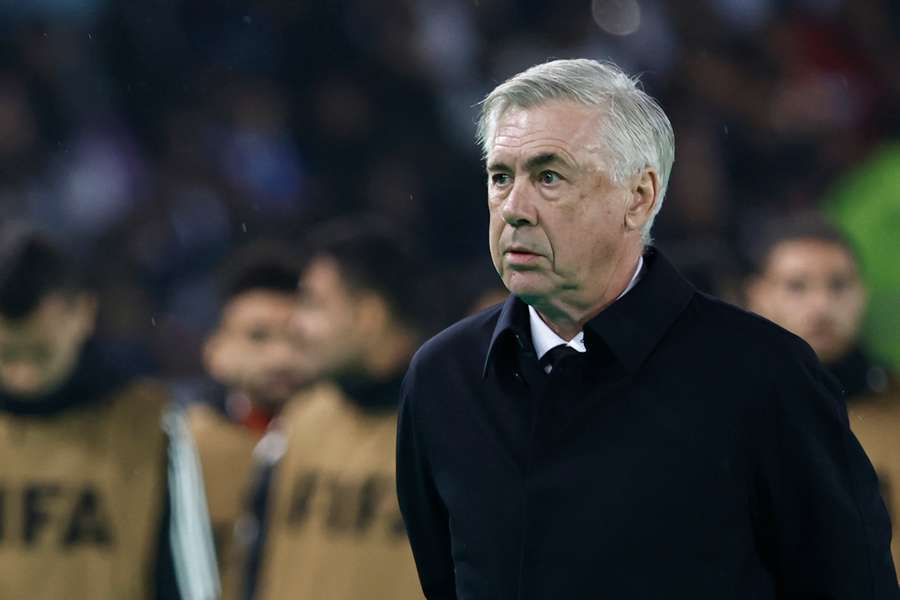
(32, 267)
(373, 255)
(267, 265)
(794, 227)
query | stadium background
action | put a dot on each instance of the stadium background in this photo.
(155, 137)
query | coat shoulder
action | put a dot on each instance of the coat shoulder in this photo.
(462, 345)
(746, 332)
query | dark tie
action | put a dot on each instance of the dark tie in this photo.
(556, 355)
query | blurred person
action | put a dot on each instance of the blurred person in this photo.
(255, 368)
(609, 431)
(325, 520)
(489, 297)
(97, 486)
(807, 279)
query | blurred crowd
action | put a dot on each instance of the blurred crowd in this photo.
(155, 138)
(236, 176)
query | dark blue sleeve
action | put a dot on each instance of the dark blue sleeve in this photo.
(426, 518)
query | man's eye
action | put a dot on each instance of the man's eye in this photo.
(795, 286)
(259, 335)
(549, 177)
(500, 178)
(839, 285)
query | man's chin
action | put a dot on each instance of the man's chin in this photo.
(27, 391)
(527, 285)
(829, 351)
(270, 404)
(278, 397)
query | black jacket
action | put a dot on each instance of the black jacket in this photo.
(860, 375)
(696, 451)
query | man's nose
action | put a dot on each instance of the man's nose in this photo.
(518, 208)
(282, 351)
(819, 302)
(295, 324)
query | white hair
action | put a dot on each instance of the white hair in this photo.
(637, 133)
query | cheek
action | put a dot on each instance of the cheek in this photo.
(781, 307)
(495, 227)
(849, 312)
(582, 243)
(66, 352)
(339, 322)
(314, 323)
(225, 360)
(790, 301)
(495, 231)
(593, 226)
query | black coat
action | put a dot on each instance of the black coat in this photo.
(696, 451)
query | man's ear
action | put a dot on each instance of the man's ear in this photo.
(642, 200)
(210, 345)
(372, 313)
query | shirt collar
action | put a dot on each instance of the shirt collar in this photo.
(630, 327)
(544, 338)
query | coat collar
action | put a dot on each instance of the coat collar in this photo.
(630, 327)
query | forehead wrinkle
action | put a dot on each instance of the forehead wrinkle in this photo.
(521, 153)
(520, 139)
(519, 131)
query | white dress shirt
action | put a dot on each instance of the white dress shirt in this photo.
(545, 338)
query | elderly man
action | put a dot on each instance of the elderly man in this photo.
(608, 431)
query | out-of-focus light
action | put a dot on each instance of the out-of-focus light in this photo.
(618, 17)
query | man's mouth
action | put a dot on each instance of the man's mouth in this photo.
(519, 255)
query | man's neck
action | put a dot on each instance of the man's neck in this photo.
(392, 352)
(569, 321)
(544, 339)
(250, 413)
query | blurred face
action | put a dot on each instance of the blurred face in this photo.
(557, 221)
(39, 352)
(813, 289)
(327, 319)
(253, 349)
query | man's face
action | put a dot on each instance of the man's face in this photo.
(39, 351)
(326, 318)
(557, 221)
(813, 289)
(254, 350)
